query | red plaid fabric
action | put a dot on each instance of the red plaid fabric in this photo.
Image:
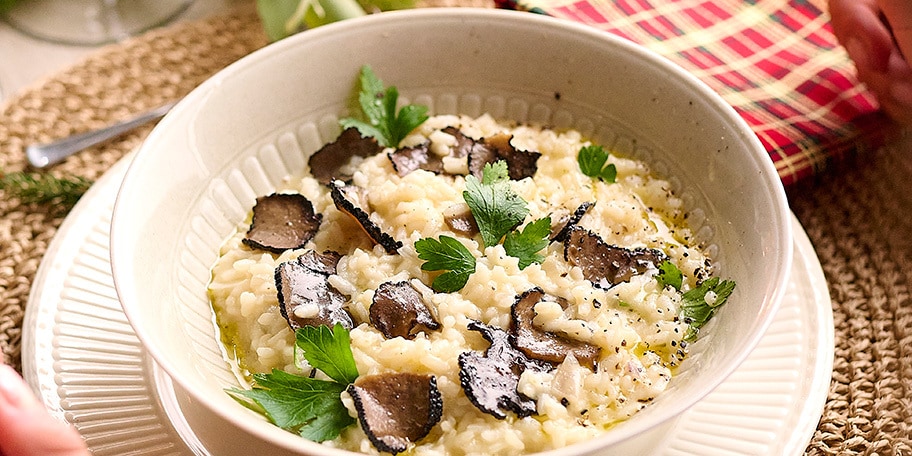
(776, 62)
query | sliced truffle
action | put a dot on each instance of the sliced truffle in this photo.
(396, 409)
(460, 219)
(324, 263)
(344, 199)
(464, 144)
(399, 310)
(563, 227)
(408, 159)
(490, 379)
(520, 163)
(543, 345)
(305, 296)
(607, 265)
(326, 164)
(282, 221)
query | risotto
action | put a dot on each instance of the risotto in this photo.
(619, 336)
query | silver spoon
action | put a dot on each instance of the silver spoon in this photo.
(44, 155)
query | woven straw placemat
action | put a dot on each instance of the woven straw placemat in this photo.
(856, 215)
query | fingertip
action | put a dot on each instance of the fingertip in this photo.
(902, 93)
(859, 27)
(14, 393)
(858, 53)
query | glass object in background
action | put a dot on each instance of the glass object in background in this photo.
(90, 22)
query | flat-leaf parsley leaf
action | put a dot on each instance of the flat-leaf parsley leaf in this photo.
(670, 275)
(592, 160)
(328, 350)
(446, 254)
(694, 306)
(378, 104)
(496, 207)
(307, 406)
(526, 244)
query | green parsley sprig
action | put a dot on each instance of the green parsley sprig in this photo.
(307, 406)
(670, 275)
(496, 207)
(446, 254)
(527, 244)
(383, 121)
(694, 308)
(497, 210)
(592, 161)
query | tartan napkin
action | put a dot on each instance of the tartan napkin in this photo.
(776, 62)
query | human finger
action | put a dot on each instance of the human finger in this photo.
(859, 27)
(898, 14)
(893, 88)
(26, 429)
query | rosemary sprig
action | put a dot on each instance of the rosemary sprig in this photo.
(44, 188)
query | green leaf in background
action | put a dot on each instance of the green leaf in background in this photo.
(6, 5)
(278, 18)
(386, 5)
(282, 18)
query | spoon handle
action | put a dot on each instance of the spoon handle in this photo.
(44, 155)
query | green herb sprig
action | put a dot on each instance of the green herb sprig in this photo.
(670, 275)
(44, 188)
(446, 254)
(695, 311)
(497, 210)
(527, 244)
(496, 207)
(694, 308)
(383, 121)
(307, 406)
(592, 161)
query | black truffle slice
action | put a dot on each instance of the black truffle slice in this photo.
(543, 345)
(399, 310)
(564, 225)
(344, 200)
(326, 163)
(607, 265)
(282, 221)
(408, 159)
(324, 263)
(520, 163)
(464, 144)
(490, 379)
(460, 219)
(305, 296)
(396, 409)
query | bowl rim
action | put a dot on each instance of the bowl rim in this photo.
(273, 434)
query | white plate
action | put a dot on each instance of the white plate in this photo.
(81, 356)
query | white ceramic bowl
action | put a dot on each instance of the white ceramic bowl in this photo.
(233, 139)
